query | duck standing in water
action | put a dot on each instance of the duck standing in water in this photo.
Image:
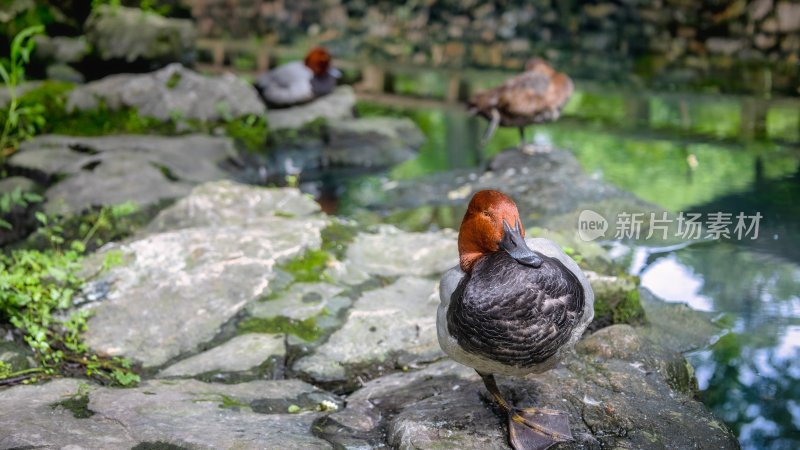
(512, 307)
(535, 96)
(299, 81)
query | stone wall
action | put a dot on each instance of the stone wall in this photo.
(730, 45)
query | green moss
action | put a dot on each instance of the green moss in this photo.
(337, 236)
(617, 301)
(305, 329)
(314, 130)
(174, 79)
(251, 130)
(309, 267)
(78, 404)
(230, 402)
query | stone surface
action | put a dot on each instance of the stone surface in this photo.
(183, 413)
(387, 328)
(338, 104)
(788, 14)
(170, 93)
(371, 142)
(114, 169)
(31, 418)
(130, 34)
(175, 289)
(11, 184)
(61, 49)
(549, 188)
(239, 354)
(302, 301)
(227, 203)
(391, 252)
(617, 390)
(117, 179)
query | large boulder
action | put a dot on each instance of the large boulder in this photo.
(173, 92)
(109, 170)
(163, 414)
(619, 390)
(387, 329)
(175, 289)
(339, 104)
(371, 142)
(131, 34)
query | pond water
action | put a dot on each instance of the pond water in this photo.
(698, 154)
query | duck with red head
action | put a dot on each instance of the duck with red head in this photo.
(299, 81)
(512, 307)
(534, 96)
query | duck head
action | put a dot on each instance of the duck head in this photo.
(492, 224)
(319, 61)
(538, 65)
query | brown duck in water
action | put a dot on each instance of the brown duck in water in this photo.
(535, 96)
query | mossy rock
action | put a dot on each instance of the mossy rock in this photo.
(616, 300)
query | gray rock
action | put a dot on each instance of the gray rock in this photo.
(371, 142)
(169, 93)
(618, 389)
(32, 418)
(758, 9)
(226, 203)
(338, 104)
(117, 179)
(61, 49)
(301, 301)
(788, 14)
(133, 34)
(391, 252)
(64, 72)
(114, 169)
(549, 188)
(676, 326)
(386, 328)
(11, 184)
(176, 289)
(239, 354)
(724, 46)
(184, 413)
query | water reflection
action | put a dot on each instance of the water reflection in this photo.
(746, 159)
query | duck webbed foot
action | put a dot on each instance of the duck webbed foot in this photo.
(531, 428)
(537, 429)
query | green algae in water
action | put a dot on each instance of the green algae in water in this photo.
(305, 329)
(309, 267)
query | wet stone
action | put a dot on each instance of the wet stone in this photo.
(391, 252)
(386, 328)
(338, 104)
(175, 289)
(241, 353)
(177, 413)
(171, 92)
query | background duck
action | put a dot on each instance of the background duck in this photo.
(535, 96)
(298, 81)
(512, 307)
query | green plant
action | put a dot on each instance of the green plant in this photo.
(37, 287)
(17, 197)
(20, 121)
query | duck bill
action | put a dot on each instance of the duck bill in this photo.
(335, 73)
(514, 244)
